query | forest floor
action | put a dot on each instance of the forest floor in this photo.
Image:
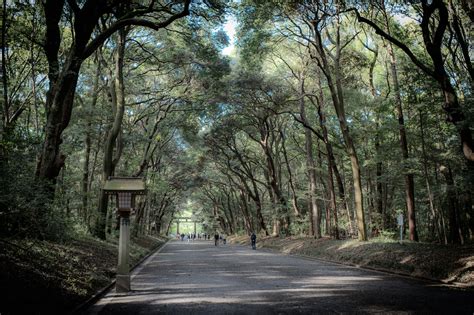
(449, 264)
(42, 277)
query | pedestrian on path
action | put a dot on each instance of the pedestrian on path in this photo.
(216, 239)
(253, 240)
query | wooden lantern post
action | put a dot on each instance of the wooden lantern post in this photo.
(125, 189)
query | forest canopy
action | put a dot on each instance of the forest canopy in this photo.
(328, 118)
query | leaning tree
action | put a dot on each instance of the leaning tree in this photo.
(92, 22)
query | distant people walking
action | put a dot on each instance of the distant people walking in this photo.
(253, 240)
(216, 239)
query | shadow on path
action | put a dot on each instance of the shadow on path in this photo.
(199, 278)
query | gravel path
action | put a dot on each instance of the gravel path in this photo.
(199, 278)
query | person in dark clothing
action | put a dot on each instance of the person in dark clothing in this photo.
(253, 240)
(216, 239)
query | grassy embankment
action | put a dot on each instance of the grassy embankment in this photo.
(449, 264)
(49, 278)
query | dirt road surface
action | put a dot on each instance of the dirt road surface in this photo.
(199, 278)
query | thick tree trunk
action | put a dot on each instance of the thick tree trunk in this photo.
(59, 101)
(62, 86)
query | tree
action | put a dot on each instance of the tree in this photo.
(86, 39)
(434, 23)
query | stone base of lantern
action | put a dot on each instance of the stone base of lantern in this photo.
(122, 283)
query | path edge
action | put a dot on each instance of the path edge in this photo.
(449, 284)
(101, 292)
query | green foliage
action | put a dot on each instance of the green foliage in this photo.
(23, 214)
(223, 132)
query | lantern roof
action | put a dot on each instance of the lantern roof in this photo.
(133, 185)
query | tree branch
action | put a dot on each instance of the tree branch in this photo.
(395, 41)
(100, 39)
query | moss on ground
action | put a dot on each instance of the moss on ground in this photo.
(42, 277)
(449, 264)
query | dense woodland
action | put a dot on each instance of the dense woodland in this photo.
(329, 118)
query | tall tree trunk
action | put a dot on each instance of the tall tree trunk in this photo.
(258, 206)
(245, 211)
(409, 177)
(331, 160)
(87, 142)
(327, 214)
(332, 200)
(231, 214)
(113, 140)
(378, 171)
(6, 110)
(455, 232)
(272, 170)
(335, 87)
(140, 217)
(314, 211)
(4, 167)
(355, 166)
(252, 192)
(169, 224)
(434, 212)
(294, 197)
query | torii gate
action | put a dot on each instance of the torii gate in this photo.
(186, 219)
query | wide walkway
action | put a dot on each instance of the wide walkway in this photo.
(199, 278)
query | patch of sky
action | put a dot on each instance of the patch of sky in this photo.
(180, 141)
(230, 29)
(224, 108)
